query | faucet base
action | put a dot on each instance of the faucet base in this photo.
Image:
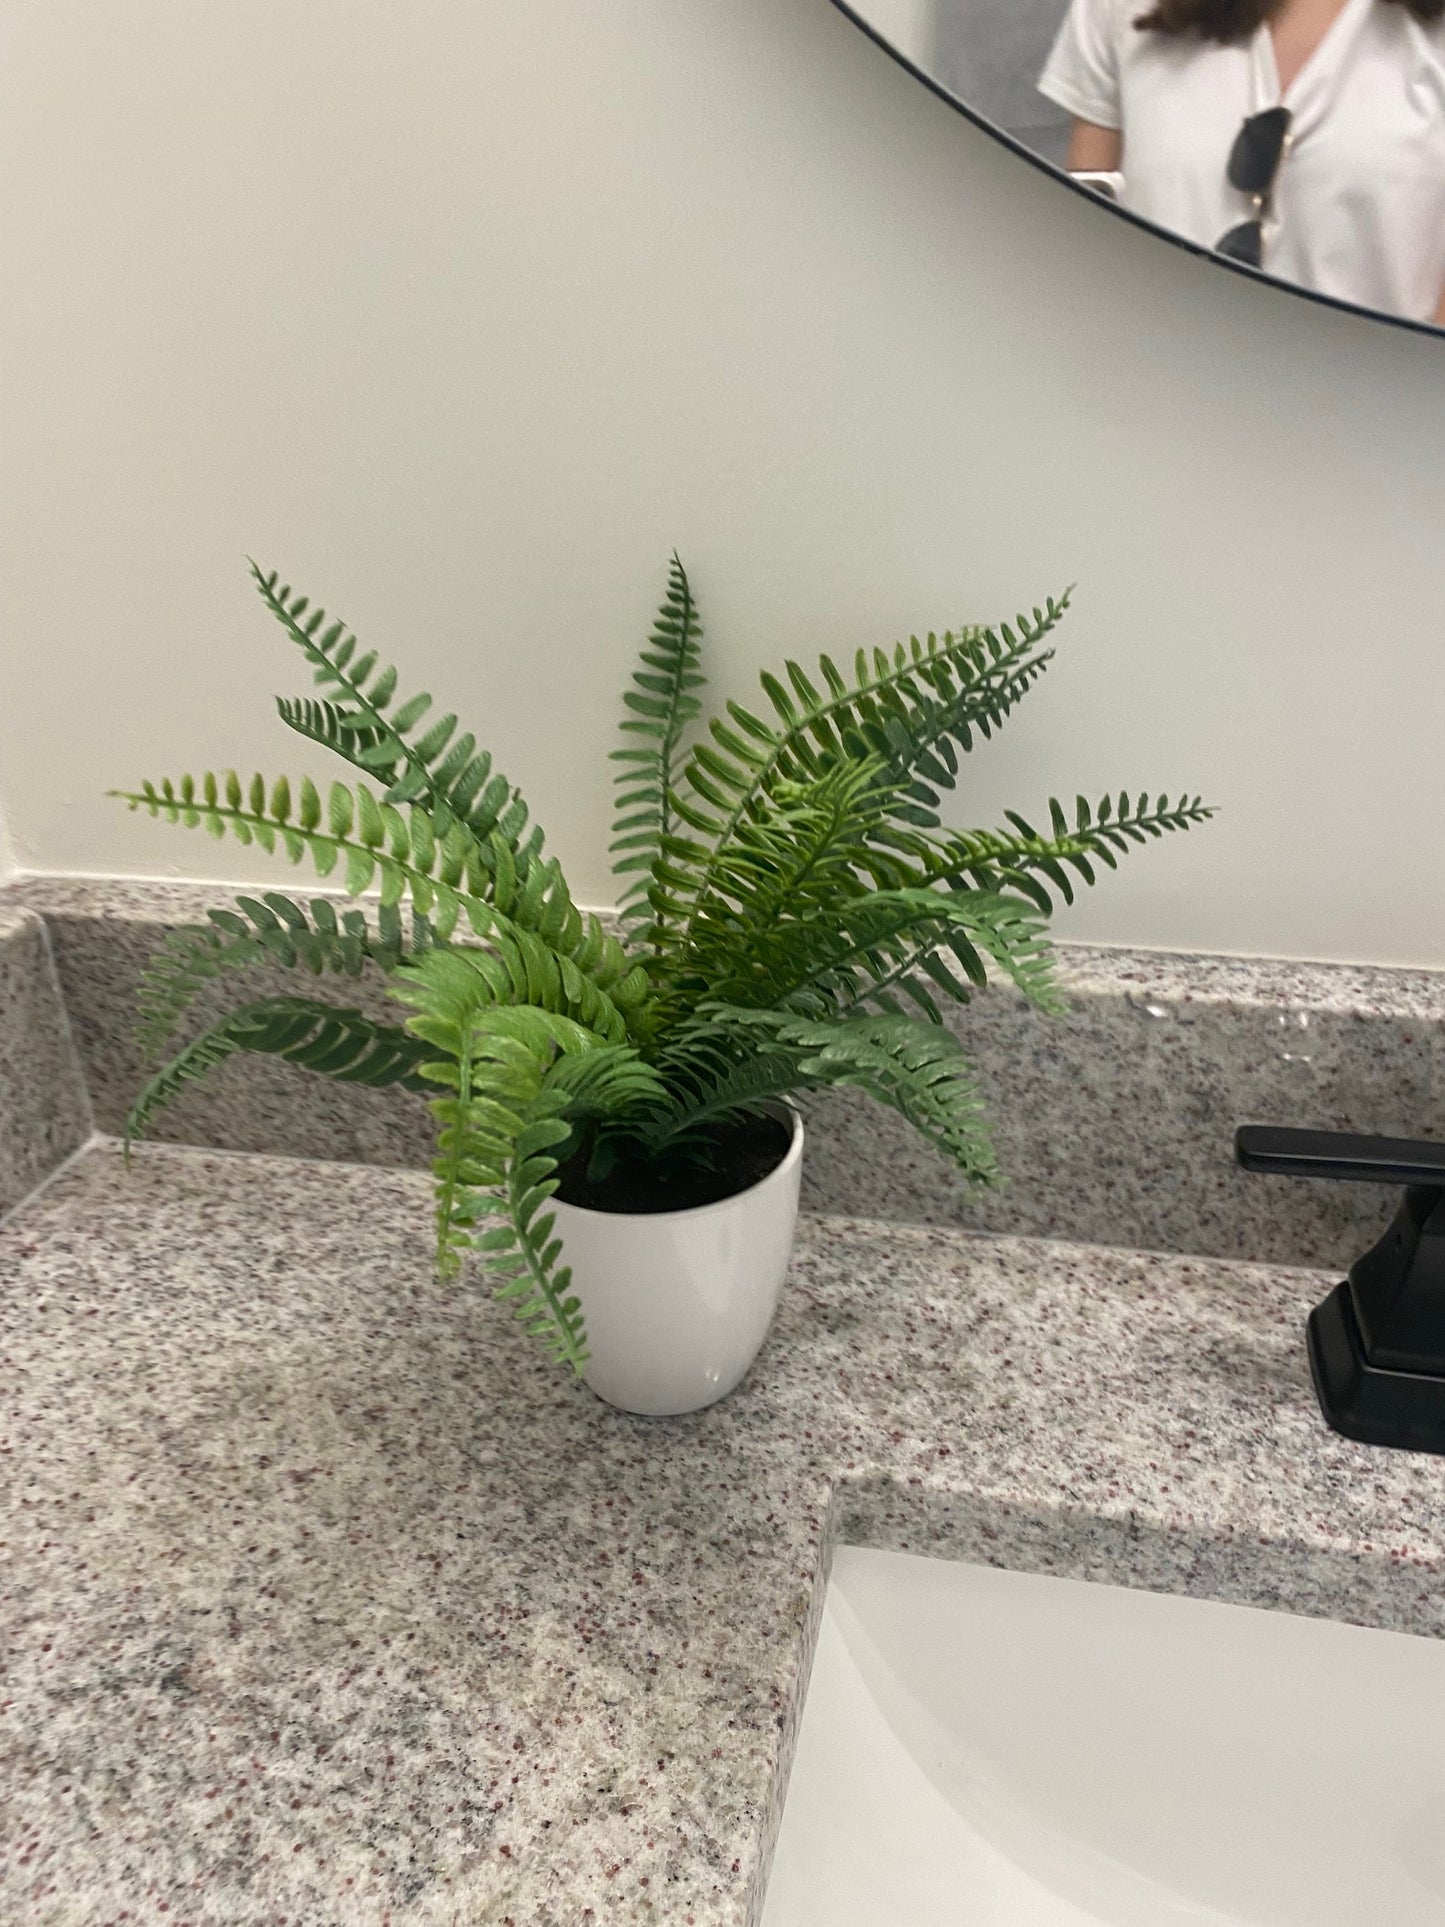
(1363, 1401)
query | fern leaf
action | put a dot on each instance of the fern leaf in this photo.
(869, 948)
(912, 710)
(715, 1072)
(526, 1268)
(561, 959)
(660, 704)
(344, 1044)
(517, 1080)
(439, 769)
(599, 1082)
(1023, 860)
(274, 930)
(512, 1075)
(915, 1068)
(788, 875)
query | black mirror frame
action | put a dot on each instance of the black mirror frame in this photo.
(850, 11)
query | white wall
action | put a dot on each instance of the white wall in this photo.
(463, 313)
(905, 24)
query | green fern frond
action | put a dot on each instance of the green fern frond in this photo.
(494, 1080)
(1023, 859)
(344, 1044)
(449, 991)
(715, 1071)
(661, 704)
(522, 1252)
(545, 944)
(880, 944)
(789, 874)
(792, 919)
(494, 1062)
(913, 709)
(517, 1079)
(275, 930)
(436, 768)
(523, 1255)
(608, 1081)
(374, 751)
(915, 1068)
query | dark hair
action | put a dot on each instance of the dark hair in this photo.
(1230, 20)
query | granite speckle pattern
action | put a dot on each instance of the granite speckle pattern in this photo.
(44, 1114)
(1115, 1123)
(1193, 1045)
(327, 1599)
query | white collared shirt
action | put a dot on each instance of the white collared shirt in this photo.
(1359, 206)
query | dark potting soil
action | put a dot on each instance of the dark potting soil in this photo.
(745, 1150)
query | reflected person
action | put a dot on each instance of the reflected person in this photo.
(1306, 138)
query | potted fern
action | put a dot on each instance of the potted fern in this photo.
(618, 1141)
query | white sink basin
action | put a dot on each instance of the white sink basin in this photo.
(984, 1747)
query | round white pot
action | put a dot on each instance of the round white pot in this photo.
(677, 1303)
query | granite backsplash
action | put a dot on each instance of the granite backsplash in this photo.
(1114, 1122)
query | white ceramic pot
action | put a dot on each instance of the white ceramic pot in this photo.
(677, 1303)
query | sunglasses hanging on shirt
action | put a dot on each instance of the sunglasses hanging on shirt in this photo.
(1254, 163)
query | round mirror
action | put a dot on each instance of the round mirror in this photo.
(1299, 140)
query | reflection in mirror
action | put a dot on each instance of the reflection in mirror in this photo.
(1304, 138)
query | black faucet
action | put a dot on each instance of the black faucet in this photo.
(1377, 1343)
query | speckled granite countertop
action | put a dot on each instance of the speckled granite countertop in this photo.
(327, 1601)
